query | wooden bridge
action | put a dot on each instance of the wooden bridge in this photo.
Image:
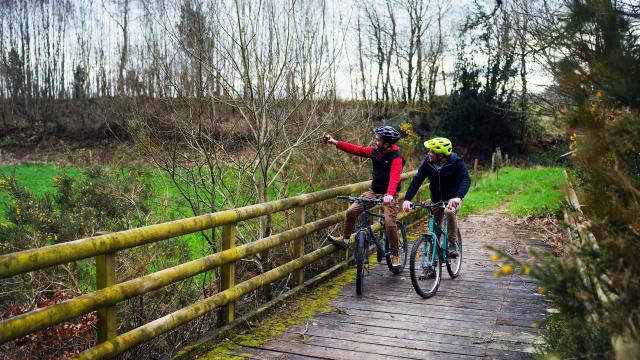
(475, 315)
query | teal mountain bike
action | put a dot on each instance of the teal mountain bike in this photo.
(429, 252)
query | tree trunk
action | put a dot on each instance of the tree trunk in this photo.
(124, 54)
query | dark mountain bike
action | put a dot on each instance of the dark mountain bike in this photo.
(428, 254)
(365, 238)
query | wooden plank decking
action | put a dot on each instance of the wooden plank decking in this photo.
(473, 316)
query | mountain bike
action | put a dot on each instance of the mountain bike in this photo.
(365, 238)
(429, 252)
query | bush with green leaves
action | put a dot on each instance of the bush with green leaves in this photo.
(102, 199)
(595, 286)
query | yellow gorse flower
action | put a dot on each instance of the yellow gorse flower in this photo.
(494, 257)
(410, 135)
(507, 269)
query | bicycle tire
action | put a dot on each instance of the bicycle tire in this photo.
(403, 249)
(381, 247)
(359, 255)
(424, 262)
(454, 265)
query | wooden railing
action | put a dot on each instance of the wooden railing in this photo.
(578, 234)
(108, 293)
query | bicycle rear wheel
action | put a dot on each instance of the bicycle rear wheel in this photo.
(361, 240)
(403, 249)
(455, 264)
(425, 266)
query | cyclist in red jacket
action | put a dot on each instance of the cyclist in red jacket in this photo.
(387, 168)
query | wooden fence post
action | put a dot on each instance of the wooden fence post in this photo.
(475, 173)
(105, 277)
(493, 162)
(298, 246)
(228, 278)
(498, 162)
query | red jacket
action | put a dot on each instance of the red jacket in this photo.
(367, 151)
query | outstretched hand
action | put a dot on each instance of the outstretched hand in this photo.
(328, 139)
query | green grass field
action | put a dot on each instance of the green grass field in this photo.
(35, 177)
(522, 192)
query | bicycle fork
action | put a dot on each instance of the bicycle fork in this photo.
(426, 261)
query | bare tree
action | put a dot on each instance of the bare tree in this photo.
(260, 75)
(121, 18)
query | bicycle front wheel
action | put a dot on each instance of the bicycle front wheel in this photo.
(424, 266)
(455, 264)
(361, 243)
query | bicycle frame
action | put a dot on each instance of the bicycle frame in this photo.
(364, 224)
(434, 228)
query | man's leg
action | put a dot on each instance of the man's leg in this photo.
(452, 231)
(390, 217)
(438, 214)
(349, 222)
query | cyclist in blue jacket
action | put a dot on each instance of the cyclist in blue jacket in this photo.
(448, 181)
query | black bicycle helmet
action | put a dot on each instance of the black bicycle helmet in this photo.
(388, 134)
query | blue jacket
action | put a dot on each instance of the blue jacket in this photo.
(451, 181)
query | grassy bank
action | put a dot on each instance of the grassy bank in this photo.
(521, 192)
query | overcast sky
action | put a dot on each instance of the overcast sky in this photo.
(101, 30)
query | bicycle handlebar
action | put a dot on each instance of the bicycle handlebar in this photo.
(430, 206)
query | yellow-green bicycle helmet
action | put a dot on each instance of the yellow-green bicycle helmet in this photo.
(439, 145)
